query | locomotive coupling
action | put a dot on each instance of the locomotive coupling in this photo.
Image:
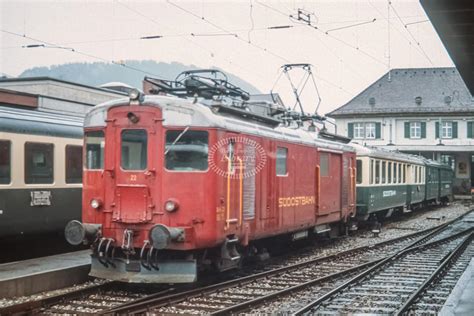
(161, 235)
(77, 232)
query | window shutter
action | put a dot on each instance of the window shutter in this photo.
(407, 129)
(423, 129)
(350, 130)
(437, 129)
(470, 126)
(455, 129)
(377, 131)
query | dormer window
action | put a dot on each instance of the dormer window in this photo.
(418, 100)
(448, 99)
(372, 101)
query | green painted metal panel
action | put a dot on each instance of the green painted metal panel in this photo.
(350, 130)
(376, 198)
(378, 133)
(407, 129)
(423, 129)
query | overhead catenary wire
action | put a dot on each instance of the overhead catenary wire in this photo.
(188, 39)
(202, 18)
(73, 50)
(349, 26)
(319, 39)
(412, 36)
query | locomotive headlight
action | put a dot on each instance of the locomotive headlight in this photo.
(134, 94)
(96, 203)
(171, 205)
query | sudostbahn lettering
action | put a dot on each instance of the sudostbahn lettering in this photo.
(296, 201)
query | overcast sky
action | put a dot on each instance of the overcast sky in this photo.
(354, 53)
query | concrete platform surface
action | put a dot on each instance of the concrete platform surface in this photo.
(43, 274)
(461, 300)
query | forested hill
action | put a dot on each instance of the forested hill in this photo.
(97, 73)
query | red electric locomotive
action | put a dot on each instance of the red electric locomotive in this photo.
(175, 184)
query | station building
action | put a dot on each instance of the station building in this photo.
(423, 111)
(54, 95)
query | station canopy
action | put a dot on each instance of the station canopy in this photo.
(454, 22)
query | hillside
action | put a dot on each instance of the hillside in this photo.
(98, 73)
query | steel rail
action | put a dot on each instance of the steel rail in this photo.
(246, 305)
(30, 306)
(155, 301)
(378, 265)
(456, 253)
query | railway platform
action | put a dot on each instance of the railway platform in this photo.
(460, 300)
(43, 274)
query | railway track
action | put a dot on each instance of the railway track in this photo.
(229, 296)
(392, 285)
(86, 301)
(240, 294)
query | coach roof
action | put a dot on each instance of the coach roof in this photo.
(14, 120)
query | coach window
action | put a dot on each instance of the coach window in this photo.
(389, 173)
(371, 171)
(186, 150)
(384, 172)
(281, 161)
(5, 162)
(377, 171)
(395, 172)
(134, 149)
(359, 171)
(399, 173)
(39, 163)
(95, 143)
(73, 164)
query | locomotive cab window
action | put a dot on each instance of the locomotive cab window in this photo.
(134, 149)
(281, 160)
(186, 150)
(5, 162)
(39, 163)
(359, 171)
(73, 164)
(95, 143)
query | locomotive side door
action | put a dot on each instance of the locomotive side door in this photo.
(234, 165)
(135, 151)
(329, 184)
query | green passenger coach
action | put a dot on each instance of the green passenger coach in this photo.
(389, 181)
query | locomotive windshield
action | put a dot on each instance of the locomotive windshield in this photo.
(95, 150)
(134, 149)
(189, 153)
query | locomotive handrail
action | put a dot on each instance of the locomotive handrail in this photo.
(318, 189)
(229, 168)
(241, 184)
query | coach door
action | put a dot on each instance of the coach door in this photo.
(136, 151)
